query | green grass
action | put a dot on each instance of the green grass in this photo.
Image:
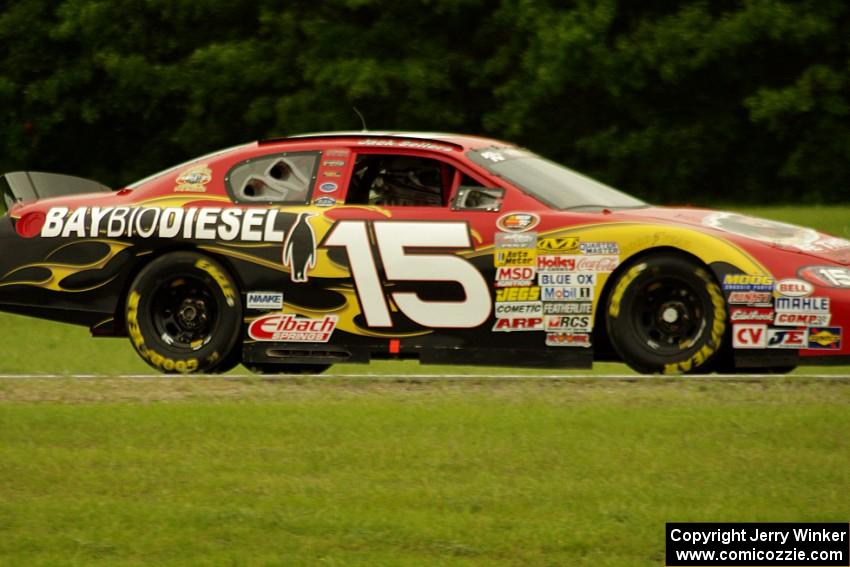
(223, 472)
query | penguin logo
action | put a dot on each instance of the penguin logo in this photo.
(299, 249)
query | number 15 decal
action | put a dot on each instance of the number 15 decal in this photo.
(394, 239)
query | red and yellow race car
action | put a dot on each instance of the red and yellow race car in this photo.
(292, 254)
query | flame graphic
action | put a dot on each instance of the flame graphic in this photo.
(60, 271)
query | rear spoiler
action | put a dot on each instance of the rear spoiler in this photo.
(27, 186)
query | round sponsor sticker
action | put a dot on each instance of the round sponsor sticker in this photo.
(328, 187)
(517, 222)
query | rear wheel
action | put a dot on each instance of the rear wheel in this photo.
(184, 314)
(666, 314)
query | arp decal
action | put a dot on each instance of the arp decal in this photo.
(749, 336)
(787, 338)
(827, 276)
(517, 222)
(825, 338)
(519, 324)
(299, 250)
(285, 327)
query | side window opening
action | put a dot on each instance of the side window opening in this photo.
(472, 195)
(399, 180)
(279, 178)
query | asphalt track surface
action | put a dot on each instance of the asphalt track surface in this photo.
(418, 378)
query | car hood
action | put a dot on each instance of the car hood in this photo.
(744, 229)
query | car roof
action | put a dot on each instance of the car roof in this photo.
(460, 141)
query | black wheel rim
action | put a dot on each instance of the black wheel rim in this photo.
(669, 315)
(184, 313)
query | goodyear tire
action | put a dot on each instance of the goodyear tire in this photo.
(666, 314)
(184, 314)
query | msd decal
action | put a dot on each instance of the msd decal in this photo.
(283, 327)
(749, 336)
(786, 338)
(509, 276)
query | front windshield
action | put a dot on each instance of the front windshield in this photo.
(554, 184)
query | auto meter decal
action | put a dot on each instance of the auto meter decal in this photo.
(827, 276)
(517, 222)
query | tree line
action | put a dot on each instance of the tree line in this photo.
(690, 101)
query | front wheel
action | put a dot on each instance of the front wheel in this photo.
(184, 314)
(666, 314)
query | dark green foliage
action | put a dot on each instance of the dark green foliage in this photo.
(674, 102)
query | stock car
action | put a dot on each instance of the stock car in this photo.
(291, 254)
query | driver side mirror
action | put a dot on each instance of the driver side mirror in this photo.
(478, 199)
